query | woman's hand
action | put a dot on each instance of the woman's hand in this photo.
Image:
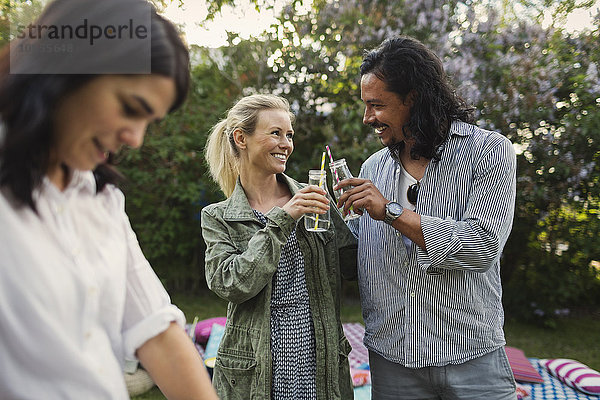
(310, 199)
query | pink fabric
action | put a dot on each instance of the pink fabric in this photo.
(574, 374)
(522, 368)
(360, 377)
(359, 356)
(203, 328)
(522, 392)
(355, 332)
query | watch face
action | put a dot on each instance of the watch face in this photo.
(395, 208)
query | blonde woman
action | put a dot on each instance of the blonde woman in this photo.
(283, 338)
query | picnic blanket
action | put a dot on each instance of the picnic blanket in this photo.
(359, 361)
(550, 389)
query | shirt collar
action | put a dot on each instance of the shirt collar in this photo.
(457, 127)
(238, 207)
(84, 181)
(461, 128)
(81, 181)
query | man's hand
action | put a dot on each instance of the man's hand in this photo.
(363, 196)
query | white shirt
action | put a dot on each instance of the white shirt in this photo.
(404, 181)
(77, 296)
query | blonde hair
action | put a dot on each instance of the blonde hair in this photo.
(221, 153)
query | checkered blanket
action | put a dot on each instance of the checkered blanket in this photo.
(359, 356)
(359, 361)
(552, 388)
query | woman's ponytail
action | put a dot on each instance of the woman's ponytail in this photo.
(219, 156)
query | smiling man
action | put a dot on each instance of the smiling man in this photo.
(438, 205)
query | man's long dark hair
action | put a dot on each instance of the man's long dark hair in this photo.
(406, 67)
(28, 101)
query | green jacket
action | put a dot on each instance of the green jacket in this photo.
(241, 260)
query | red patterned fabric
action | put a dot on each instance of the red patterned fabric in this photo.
(522, 368)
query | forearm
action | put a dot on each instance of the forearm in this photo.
(175, 366)
(239, 277)
(409, 224)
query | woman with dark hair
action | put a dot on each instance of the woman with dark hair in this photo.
(77, 296)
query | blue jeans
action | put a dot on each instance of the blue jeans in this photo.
(488, 377)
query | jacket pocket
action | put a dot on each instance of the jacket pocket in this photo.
(234, 377)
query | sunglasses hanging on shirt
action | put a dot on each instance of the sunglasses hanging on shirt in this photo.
(412, 193)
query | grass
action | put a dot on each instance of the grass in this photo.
(575, 337)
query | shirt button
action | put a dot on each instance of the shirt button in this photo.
(88, 335)
(412, 294)
(398, 233)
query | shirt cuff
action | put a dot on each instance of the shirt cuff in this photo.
(150, 327)
(441, 241)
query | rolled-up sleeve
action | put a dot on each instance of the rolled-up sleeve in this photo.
(148, 310)
(475, 241)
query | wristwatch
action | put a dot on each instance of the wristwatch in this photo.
(392, 211)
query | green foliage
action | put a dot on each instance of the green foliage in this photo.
(550, 258)
(538, 86)
(168, 183)
(14, 13)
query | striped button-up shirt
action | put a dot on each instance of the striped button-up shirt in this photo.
(443, 305)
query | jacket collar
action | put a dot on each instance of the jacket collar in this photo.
(238, 208)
